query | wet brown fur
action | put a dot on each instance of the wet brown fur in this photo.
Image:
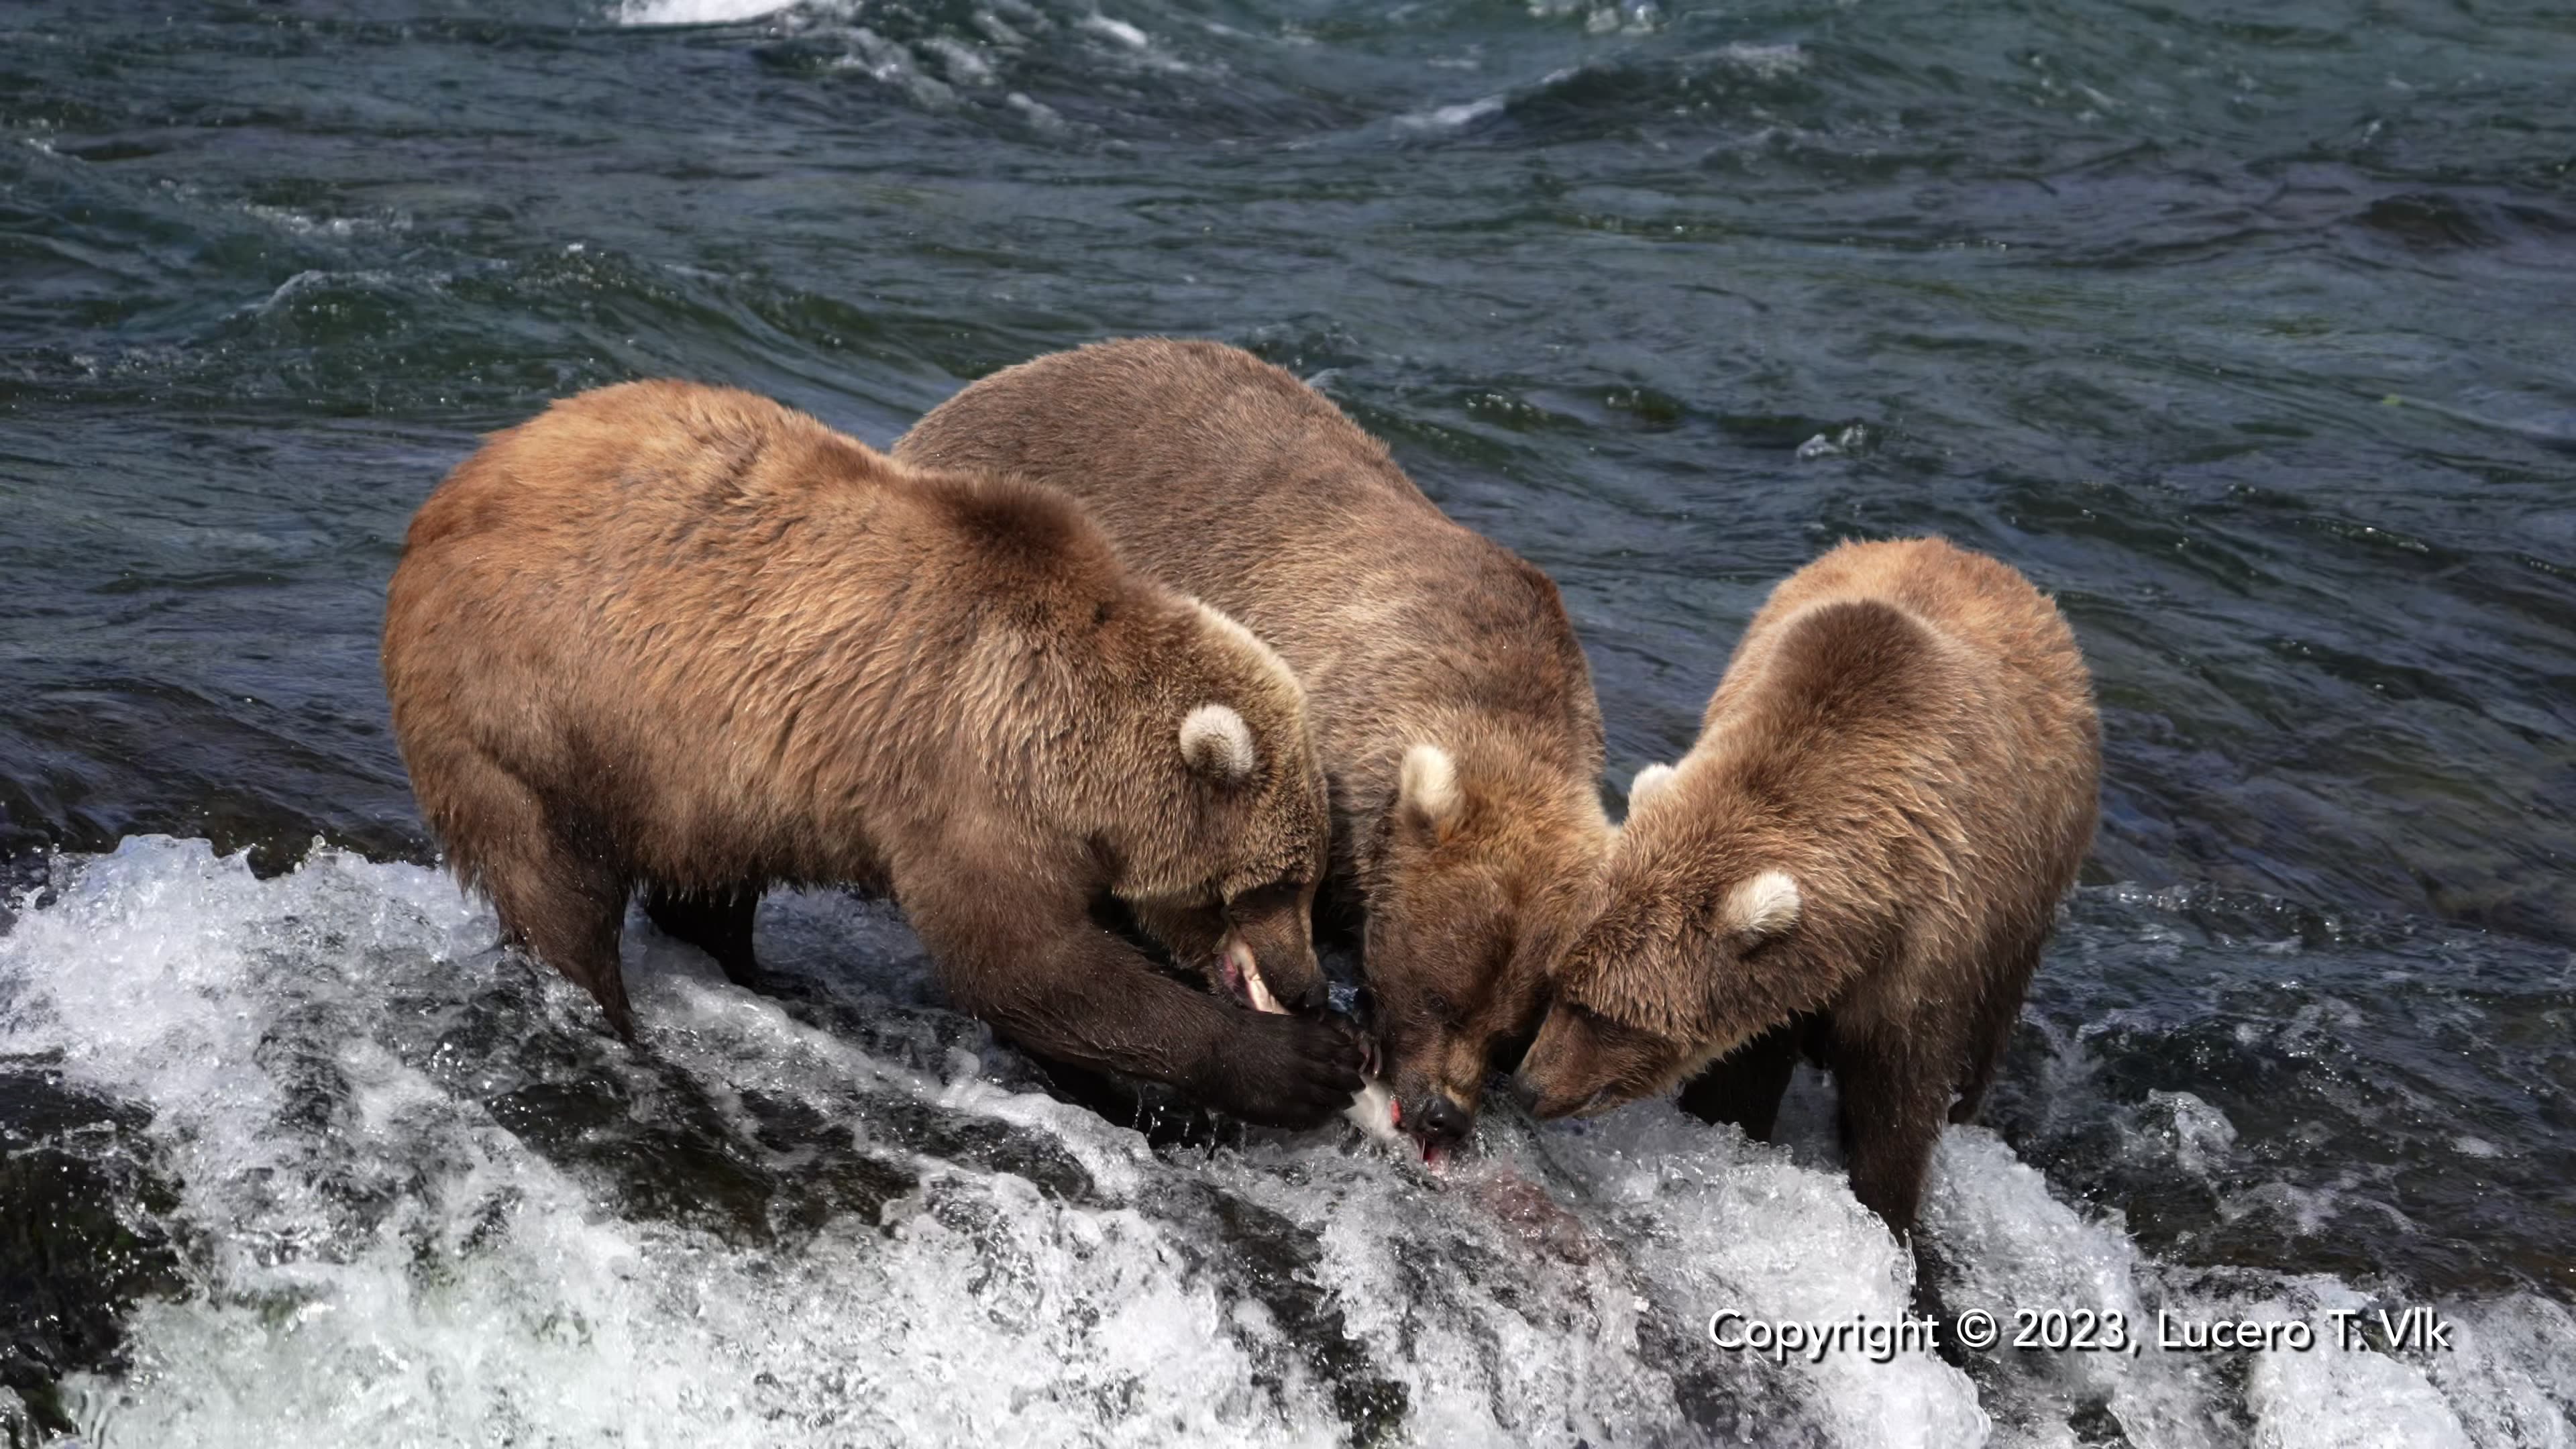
(1906, 730)
(682, 639)
(1227, 477)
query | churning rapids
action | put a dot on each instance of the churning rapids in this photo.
(2242, 330)
(374, 1182)
(382, 1185)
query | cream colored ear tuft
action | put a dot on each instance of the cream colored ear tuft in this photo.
(1648, 781)
(1216, 741)
(1428, 785)
(1764, 906)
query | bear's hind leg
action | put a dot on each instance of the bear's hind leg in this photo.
(561, 903)
(1745, 1086)
(1997, 1013)
(716, 922)
(1894, 1095)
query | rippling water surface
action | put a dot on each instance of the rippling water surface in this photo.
(2243, 330)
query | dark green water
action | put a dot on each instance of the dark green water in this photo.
(2244, 330)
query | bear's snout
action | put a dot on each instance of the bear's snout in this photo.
(1553, 1080)
(1439, 1121)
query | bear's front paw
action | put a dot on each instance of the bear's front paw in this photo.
(1283, 1071)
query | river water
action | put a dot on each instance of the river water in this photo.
(2243, 330)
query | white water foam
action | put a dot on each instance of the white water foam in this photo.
(697, 12)
(353, 1092)
(1450, 118)
(943, 71)
(1114, 28)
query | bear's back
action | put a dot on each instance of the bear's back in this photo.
(716, 599)
(1925, 711)
(675, 507)
(1975, 634)
(1251, 490)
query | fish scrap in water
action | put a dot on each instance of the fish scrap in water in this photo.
(1523, 1205)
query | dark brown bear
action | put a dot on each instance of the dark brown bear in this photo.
(1862, 854)
(1450, 700)
(683, 640)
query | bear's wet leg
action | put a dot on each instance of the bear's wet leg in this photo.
(716, 922)
(1745, 1086)
(1894, 1093)
(1034, 965)
(559, 901)
(1997, 1013)
(568, 912)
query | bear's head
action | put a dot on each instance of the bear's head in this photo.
(1689, 893)
(1484, 868)
(1226, 823)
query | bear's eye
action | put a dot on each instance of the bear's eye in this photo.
(1279, 895)
(1593, 1021)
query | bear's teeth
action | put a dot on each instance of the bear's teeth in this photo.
(1262, 1000)
(1243, 963)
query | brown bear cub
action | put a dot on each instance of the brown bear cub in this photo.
(1451, 703)
(683, 640)
(1862, 855)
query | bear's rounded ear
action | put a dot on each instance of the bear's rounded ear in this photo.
(1648, 781)
(1763, 907)
(1427, 790)
(1218, 744)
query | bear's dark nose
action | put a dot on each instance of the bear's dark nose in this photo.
(1443, 1121)
(1317, 997)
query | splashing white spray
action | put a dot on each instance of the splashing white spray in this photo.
(435, 1204)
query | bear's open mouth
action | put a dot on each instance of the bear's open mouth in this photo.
(1380, 1113)
(1434, 1154)
(1241, 971)
(1377, 1112)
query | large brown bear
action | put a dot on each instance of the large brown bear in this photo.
(1450, 700)
(681, 639)
(1862, 855)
